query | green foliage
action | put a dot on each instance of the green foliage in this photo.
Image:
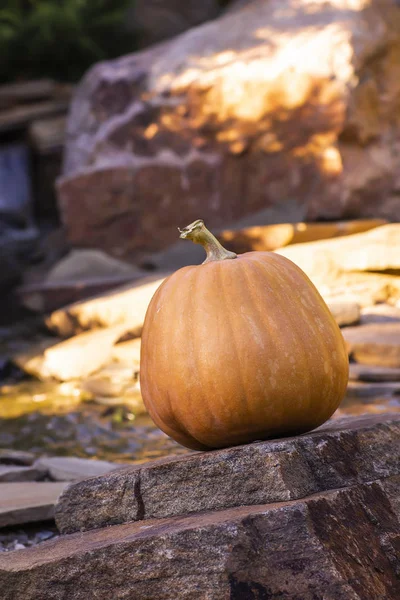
(60, 38)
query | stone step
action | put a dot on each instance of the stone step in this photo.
(373, 390)
(380, 313)
(373, 373)
(272, 237)
(374, 344)
(72, 468)
(13, 473)
(335, 545)
(341, 453)
(28, 501)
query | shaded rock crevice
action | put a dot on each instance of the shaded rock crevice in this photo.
(367, 516)
(140, 515)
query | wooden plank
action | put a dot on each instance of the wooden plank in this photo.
(20, 116)
(26, 91)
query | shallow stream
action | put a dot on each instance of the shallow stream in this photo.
(54, 419)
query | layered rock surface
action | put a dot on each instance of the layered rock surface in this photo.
(340, 544)
(125, 306)
(363, 267)
(265, 520)
(271, 471)
(274, 101)
(375, 344)
(359, 269)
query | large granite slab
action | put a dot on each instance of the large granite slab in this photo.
(341, 544)
(28, 501)
(341, 453)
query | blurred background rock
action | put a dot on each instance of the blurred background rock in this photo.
(46, 46)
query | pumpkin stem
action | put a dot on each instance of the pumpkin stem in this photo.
(199, 234)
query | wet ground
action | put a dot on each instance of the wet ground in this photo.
(58, 424)
(54, 419)
(90, 432)
(62, 419)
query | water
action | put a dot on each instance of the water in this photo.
(55, 419)
(89, 431)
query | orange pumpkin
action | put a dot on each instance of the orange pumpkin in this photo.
(240, 348)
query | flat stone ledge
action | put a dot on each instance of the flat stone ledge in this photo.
(341, 453)
(335, 545)
(14, 473)
(27, 502)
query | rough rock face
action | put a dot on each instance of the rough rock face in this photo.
(272, 471)
(277, 100)
(341, 544)
(337, 544)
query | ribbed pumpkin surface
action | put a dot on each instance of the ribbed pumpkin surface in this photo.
(239, 350)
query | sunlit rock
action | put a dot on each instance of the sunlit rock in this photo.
(125, 306)
(375, 250)
(272, 237)
(362, 268)
(74, 358)
(279, 103)
(128, 353)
